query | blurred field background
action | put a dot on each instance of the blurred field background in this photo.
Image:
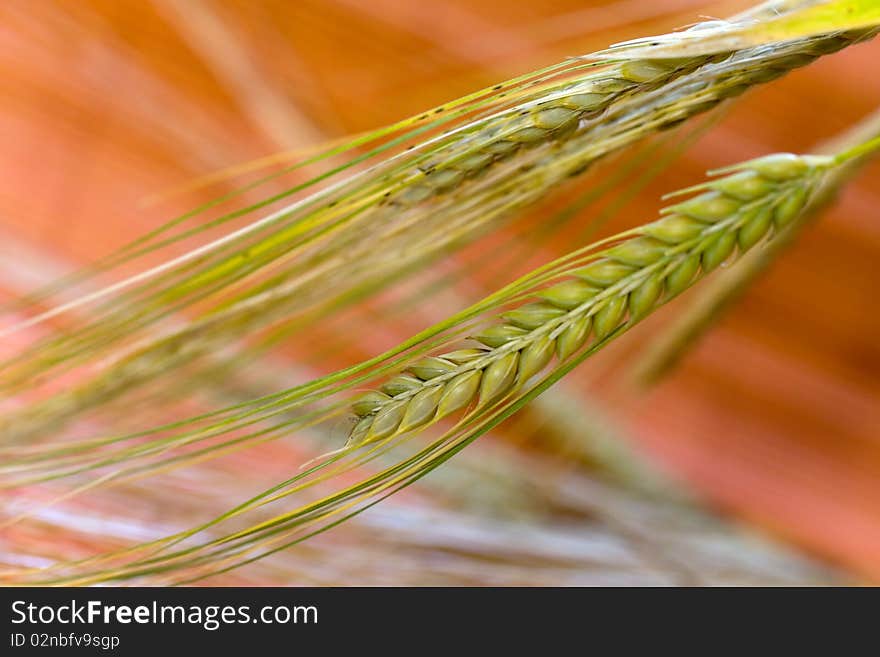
(773, 422)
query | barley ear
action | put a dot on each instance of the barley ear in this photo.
(587, 303)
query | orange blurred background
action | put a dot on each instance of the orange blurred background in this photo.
(773, 418)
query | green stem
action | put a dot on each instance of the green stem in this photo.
(858, 151)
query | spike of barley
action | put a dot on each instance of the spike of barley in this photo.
(619, 287)
(556, 117)
(564, 113)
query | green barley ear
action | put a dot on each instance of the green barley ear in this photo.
(617, 288)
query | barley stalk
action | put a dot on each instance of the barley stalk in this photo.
(618, 287)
